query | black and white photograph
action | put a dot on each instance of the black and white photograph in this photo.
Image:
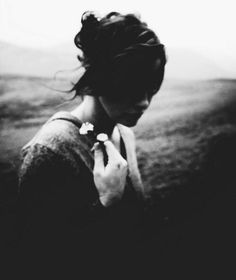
(117, 139)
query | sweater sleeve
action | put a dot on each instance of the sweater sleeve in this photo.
(52, 206)
(42, 179)
(60, 210)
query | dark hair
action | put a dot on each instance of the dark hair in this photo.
(111, 42)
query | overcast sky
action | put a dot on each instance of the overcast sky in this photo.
(202, 24)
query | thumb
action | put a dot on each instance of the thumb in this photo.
(98, 158)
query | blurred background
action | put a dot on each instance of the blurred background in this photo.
(185, 140)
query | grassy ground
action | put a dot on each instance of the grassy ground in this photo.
(172, 137)
(185, 146)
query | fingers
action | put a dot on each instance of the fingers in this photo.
(111, 150)
(113, 155)
(98, 158)
(115, 160)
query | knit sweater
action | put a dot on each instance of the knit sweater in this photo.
(59, 201)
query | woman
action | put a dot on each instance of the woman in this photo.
(71, 184)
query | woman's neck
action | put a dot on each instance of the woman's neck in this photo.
(91, 110)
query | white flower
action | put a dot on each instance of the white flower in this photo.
(102, 137)
(85, 128)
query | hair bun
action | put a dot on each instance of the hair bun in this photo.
(85, 38)
(89, 18)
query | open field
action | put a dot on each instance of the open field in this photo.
(172, 136)
(185, 145)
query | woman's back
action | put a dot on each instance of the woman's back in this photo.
(58, 196)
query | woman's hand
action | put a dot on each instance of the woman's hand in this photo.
(110, 179)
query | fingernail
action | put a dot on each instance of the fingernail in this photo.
(94, 146)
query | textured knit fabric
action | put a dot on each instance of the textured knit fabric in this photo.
(58, 198)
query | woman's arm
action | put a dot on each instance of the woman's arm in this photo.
(60, 214)
(54, 202)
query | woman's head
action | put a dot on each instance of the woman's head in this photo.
(123, 59)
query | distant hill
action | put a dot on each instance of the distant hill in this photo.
(182, 63)
(189, 64)
(32, 62)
